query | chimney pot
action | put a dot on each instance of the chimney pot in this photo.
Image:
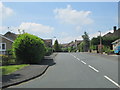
(115, 28)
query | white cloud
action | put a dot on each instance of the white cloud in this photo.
(72, 16)
(3, 29)
(36, 28)
(5, 12)
(68, 39)
(64, 34)
(32, 28)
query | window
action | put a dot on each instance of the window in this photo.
(2, 46)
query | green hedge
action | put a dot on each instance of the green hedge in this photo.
(28, 49)
(48, 51)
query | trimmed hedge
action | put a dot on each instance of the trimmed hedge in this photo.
(28, 49)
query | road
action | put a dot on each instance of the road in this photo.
(78, 70)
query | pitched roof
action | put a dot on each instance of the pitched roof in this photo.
(116, 41)
(11, 35)
(6, 38)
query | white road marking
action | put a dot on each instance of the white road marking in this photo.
(83, 62)
(112, 81)
(78, 59)
(93, 68)
(74, 57)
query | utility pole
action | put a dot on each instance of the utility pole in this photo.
(76, 45)
(100, 43)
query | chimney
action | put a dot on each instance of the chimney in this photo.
(115, 28)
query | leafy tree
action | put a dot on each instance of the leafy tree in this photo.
(106, 41)
(95, 40)
(86, 41)
(56, 46)
(28, 49)
(81, 47)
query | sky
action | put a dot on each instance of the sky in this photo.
(67, 21)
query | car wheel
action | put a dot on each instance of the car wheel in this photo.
(119, 53)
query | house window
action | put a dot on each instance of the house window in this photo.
(2, 46)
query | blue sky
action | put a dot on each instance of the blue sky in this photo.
(67, 21)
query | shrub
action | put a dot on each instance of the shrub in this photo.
(48, 51)
(107, 50)
(9, 52)
(28, 49)
(8, 60)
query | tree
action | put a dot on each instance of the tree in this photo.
(106, 41)
(28, 49)
(81, 47)
(56, 46)
(86, 41)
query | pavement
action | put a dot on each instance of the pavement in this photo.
(27, 73)
(78, 70)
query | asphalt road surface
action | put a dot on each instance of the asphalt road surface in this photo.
(78, 70)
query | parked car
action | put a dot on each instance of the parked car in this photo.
(117, 50)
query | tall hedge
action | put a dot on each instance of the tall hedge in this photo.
(28, 49)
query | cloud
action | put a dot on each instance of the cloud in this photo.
(32, 28)
(72, 16)
(3, 29)
(36, 28)
(64, 34)
(68, 39)
(5, 12)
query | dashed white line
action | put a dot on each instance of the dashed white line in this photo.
(93, 68)
(112, 81)
(74, 57)
(98, 71)
(83, 62)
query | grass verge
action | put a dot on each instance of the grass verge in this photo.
(6, 70)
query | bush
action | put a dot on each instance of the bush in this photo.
(7, 60)
(28, 49)
(64, 49)
(48, 51)
(9, 52)
(107, 50)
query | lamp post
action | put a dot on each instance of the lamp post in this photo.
(100, 43)
(76, 45)
(52, 41)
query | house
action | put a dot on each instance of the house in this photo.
(116, 43)
(5, 44)
(11, 35)
(72, 44)
(48, 42)
(116, 33)
(7, 39)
